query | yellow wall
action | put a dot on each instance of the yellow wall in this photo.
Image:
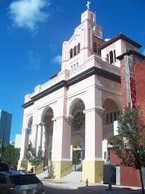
(22, 165)
(93, 171)
(62, 168)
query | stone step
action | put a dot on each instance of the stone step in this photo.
(74, 176)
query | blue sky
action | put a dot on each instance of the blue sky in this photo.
(32, 33)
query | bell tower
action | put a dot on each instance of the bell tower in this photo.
(79, 47)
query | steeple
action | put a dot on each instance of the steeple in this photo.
(88, 14)
(81, 45)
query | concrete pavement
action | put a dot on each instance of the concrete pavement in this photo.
(97, 188)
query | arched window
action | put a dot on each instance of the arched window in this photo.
(71, 53)
(75, 51)
(111, 111)
(95, 47)
(107, 58)
(111, 56)
(114, 55)
(78, 48)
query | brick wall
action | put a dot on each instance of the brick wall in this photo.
(128, 176)
(139, 71)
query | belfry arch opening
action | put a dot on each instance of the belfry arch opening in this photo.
(78, 134)
(48, 134)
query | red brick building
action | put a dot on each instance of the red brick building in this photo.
(133, 90)
(139, 70)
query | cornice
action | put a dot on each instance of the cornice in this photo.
(89, 72)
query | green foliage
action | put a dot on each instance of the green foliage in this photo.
(130, 143)
(10, 154)
(33, 157)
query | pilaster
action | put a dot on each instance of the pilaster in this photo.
(93, 163)
(22, 163)
(61, 146)
(40, 137)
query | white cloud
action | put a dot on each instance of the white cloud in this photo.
(28, 13)
(57, 59)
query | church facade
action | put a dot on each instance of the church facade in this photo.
(71, 118)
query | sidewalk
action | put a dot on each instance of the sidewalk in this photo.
(98, 188)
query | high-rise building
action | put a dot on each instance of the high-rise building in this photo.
(5, 127)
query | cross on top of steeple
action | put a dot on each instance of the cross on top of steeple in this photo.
(88, 5)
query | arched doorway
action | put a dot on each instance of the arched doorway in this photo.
(78, 134)
(29, 132)
(29, 127)
(48, 134)
(111, 112)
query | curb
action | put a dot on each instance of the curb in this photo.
(59, 186)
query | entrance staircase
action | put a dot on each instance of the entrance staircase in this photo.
(43, 174)
(74, 176)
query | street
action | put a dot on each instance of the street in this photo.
(60, 191)
(67, 191)
(91, 190)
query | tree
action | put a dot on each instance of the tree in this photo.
(50, 170)
(10, 154)
(130, 143)
(33, 157)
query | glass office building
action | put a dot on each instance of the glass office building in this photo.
(5, 127)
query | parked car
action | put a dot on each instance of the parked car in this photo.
(4, 166)
(15, 182)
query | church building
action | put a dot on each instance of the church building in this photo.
(72, 117)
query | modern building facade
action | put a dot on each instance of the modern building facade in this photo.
(71, 117)
(5, 127)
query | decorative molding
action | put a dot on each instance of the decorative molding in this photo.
(97, 109)
(108, 90)
(76, 95)
(89, 72)
(62, 160)
(59, 117)
(69, 118)
(41, 124)
(93, 159)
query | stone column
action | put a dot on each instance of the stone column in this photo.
(39, 136)
(61, 146)
(93, 163)
(43, 138)
(25, 138)
(22, 163)
(34, 134)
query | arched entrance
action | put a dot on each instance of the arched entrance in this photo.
(111, 112)
(29, 132)
(48, 134)
(78, 134)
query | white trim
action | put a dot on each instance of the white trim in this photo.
(97, 109)
(93, 159)
(62, 160)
